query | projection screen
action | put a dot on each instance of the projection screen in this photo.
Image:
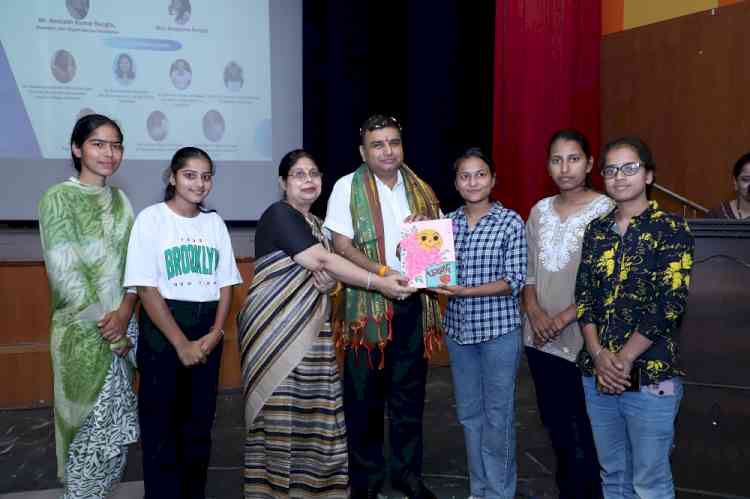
(222, 75)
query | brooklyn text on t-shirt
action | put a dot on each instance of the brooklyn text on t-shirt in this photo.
(188, 258)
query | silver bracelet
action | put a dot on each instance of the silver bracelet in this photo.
(593, 357)
(369, 280)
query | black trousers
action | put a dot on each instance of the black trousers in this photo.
(399, 387)
(562, 407)
(176, 405)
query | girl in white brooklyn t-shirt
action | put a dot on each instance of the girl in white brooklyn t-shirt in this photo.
(180, 257)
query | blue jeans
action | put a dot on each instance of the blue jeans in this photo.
(633, 433)
(484, 381)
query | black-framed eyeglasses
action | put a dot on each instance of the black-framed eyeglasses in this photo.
(627, 169)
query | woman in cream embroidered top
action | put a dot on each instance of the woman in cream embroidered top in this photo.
(552, 337)
(554, 232)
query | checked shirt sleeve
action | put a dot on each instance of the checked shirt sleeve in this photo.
(515, 261)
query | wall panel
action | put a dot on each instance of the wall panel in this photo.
(619, 15)
(24, 337)
(682, 86)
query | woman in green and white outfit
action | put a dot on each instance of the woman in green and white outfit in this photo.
(85, 225)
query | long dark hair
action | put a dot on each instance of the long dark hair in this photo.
(179, 161)
(83, 129)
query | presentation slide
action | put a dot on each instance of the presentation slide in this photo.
(170, 72)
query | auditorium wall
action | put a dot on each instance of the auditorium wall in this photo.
(681, 84)
(620, 15)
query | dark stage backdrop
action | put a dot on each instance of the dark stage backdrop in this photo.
(427, 63)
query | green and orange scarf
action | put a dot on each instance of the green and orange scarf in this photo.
(363, 318)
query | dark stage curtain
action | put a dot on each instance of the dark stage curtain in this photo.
(429, 64)
(546, 77)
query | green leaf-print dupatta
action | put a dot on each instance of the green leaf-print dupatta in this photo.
(84, 231)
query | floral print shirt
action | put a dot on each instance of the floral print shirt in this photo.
(636, 282)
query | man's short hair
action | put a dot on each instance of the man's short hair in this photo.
(376, 122)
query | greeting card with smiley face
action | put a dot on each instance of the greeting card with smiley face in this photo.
(427, 253)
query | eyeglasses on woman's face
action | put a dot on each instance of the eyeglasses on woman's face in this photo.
(302, 175)
(627, 169)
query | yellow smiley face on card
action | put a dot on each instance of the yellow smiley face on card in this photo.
(429, 239)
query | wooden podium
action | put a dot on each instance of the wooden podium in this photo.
(713, 436)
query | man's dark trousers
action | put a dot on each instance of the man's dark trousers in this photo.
(399, 387)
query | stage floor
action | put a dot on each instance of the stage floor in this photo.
(27, 455)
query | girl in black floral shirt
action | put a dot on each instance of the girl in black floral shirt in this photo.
(631, 293)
